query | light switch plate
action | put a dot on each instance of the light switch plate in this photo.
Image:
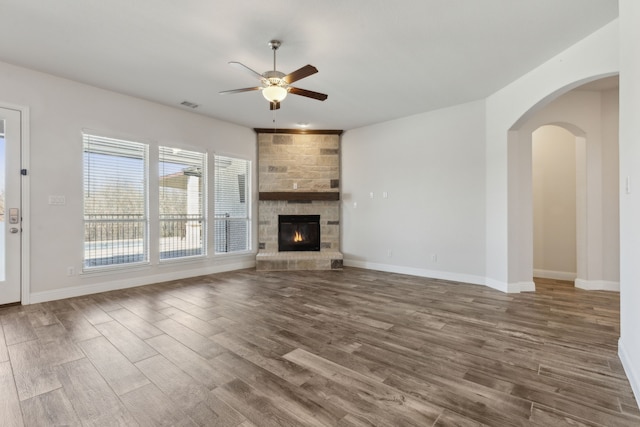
(57, 200)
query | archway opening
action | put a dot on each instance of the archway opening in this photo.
(554, 187)
(590, 115)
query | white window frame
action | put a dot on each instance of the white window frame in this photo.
(190, 220)
(111, 146)
(248, 202)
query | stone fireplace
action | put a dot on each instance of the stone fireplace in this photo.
(299, 190)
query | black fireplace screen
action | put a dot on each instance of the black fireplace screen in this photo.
(298, 233)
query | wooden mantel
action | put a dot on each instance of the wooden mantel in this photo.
(299, 195)
(300, 131)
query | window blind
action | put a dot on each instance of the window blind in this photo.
(182, 179)
(115, 201)
(232, 204)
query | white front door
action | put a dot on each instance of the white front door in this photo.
(10, 206)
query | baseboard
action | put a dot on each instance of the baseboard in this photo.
(499, 286)
(522, 287)
(630, 370)
(597, 285)
(113, 285)
(556, 275)
(444, 275)
(511, 288)
(420, 272)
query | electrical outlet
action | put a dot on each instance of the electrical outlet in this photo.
(434, 258)
(295, 185)
(389, 253)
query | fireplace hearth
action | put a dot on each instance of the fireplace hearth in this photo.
(298, 233)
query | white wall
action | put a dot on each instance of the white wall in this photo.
(59, 110)
(629, 346)
(611, 186)
(438, 153)
(432, 168)
(591, 117)
(594, 56)
(430, 165)
(554, 202)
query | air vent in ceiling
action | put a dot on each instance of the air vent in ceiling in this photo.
(189, 104)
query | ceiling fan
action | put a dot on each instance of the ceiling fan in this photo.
(275, 84)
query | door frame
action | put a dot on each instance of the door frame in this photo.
(25, 288)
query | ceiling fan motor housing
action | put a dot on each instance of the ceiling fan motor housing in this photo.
(274, 44)
(274, 78)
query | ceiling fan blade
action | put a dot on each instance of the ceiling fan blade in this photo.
(308, 93)
(300, 73)
(274, 106)
(246, 69)
(246, 89)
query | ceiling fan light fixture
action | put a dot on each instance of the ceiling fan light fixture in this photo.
(276, 84)
(274, 93)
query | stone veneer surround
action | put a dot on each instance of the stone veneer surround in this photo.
(311, 162)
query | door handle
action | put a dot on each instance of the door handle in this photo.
(13, 230)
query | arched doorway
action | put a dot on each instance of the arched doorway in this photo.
(554, 185)
(591, 114)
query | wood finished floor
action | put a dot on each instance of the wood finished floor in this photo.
(351, 348)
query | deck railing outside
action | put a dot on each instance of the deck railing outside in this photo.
(181, 236)
(111, 239)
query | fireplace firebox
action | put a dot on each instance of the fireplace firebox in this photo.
(298, 233)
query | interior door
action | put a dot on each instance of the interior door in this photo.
(10, 206)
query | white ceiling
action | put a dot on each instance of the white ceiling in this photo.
(377, 59)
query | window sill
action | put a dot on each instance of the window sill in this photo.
(112, 269)
(232, 254)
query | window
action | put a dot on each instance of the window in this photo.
(182, 178)
(115, 202)
(232, 207)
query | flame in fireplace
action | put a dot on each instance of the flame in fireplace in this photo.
(297, 237)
